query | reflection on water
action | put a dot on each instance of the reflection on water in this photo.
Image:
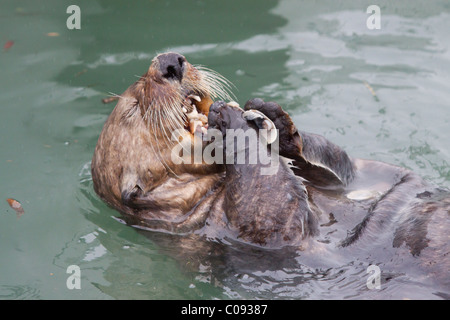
(381, 94)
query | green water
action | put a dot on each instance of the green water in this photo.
(381, 94)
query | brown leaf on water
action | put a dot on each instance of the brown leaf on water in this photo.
(16, 206)
(110, 99)
(371, 90)
(80, 72)
(8, 45)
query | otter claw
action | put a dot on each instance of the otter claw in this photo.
(233, 104)
(262, 122)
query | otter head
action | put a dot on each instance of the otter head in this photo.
(132, 167)
(174, 94)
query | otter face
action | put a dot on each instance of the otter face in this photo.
(174, 94)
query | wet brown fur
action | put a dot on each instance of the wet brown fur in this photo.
(133, 172)
(132, 168)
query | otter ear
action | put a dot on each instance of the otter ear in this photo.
(262, 122)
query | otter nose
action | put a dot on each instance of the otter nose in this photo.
(172, 65)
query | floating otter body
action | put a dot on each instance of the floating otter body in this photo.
(315, 197)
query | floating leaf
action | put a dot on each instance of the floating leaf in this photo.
(371, 90)
(81, 72)
(8, 45)
(16, 206)
(110, 99)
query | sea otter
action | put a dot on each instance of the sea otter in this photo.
(317, 197)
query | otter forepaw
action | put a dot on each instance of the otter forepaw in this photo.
(290, 140)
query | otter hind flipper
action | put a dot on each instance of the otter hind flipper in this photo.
(316, 173)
